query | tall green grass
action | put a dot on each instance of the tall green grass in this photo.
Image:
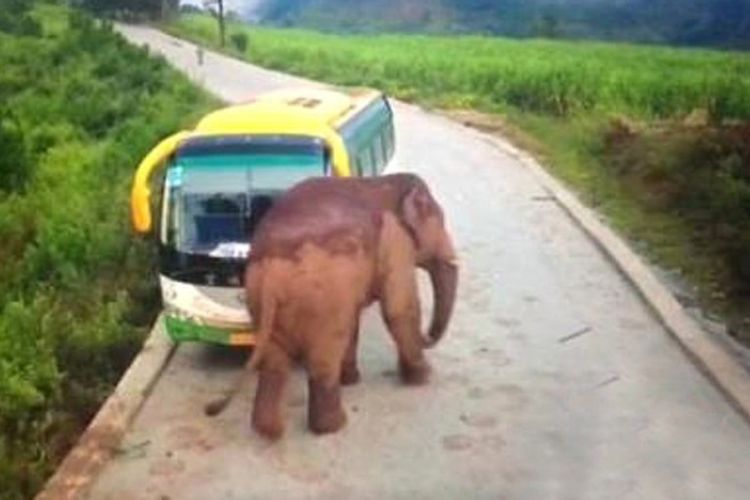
(551, 77)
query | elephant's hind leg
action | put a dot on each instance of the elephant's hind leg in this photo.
(325, 412)
(349, 371)
(267, 417)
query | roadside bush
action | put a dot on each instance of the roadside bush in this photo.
(15, 167)
(28, 374)
(701, 173)
(239, 40)
(77, 292)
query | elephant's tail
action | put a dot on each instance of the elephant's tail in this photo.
(265, 327)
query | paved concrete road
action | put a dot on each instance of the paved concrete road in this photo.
(554, 382)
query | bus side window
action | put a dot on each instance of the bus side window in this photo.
(365, 162)
(377, 160)
(369, 140)
(388, 141)
(378, 149)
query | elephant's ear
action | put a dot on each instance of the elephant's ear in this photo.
(416, 207)
(423, 218)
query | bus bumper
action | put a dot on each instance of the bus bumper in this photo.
(186, 330)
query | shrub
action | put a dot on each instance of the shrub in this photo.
(701, 173)
(15, 167)
(239, 40)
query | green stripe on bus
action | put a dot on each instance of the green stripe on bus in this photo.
(182, 330)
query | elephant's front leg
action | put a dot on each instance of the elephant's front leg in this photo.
(325, 412)
(349, 371)
(400, 305)
(267, 417)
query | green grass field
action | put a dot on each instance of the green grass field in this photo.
(550, 77)
(656, 138)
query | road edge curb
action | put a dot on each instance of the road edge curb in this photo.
(706, 352)
(76, 473)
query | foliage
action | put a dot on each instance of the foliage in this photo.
(14, 164)
(128, 9)
(239, 40)
(80, 106)
(698, 171)
(16, 19)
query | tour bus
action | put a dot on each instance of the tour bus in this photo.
(218, 180)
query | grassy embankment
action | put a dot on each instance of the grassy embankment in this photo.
(655, 138)
(78, 109)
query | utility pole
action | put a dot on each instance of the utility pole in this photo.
(219, 16)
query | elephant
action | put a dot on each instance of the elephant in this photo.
(325, 250)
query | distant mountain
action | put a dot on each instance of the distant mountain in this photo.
(686, 22)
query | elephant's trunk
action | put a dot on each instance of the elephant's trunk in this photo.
(444, 278)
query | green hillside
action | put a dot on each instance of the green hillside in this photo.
(686, 22)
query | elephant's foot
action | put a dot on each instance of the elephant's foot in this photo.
(267, 419)
(349, 374)
(325, 413)
(270, 427)
(414, 373)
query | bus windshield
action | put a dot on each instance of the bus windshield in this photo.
(215, 197)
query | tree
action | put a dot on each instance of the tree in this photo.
(169, 8)
(218, 5)
(15, 18)
(124, 9)
(548, 26)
